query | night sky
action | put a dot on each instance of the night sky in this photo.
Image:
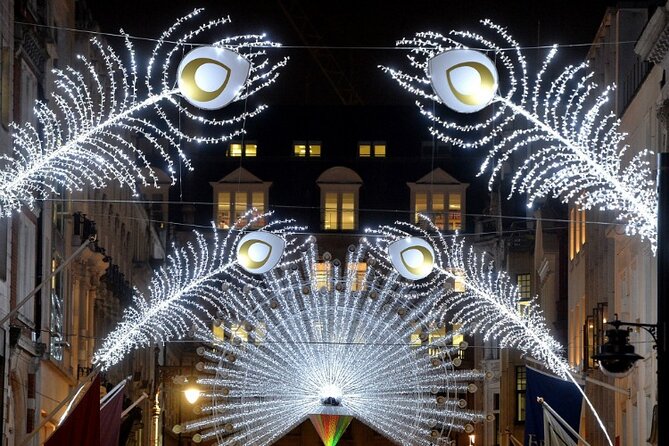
(363, 25)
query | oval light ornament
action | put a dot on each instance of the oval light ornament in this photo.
(465, 80)
(412, 257)
(259, 252)
(210, 78)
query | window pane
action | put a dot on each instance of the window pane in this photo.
(240, 207)
(300, 149)
(330, 212)
(322, 275)
(258, 202)
(379, 150)
(347, 211)
(235, 149)
(454, 221)
(238, 331)
(365, 150)
(223, 217)
(438, 215)
(356, 273)
(524, 286)
(314, 150)
(250, 149)
(454, 202)
(420, 206)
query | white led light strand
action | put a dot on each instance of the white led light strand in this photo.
(311, 334)
(197, 283)
(577, 152)
(82, 137)
(488, 301)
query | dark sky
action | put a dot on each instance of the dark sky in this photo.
(362, 24)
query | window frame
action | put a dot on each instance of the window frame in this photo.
(339, 192)
(308, 148)
(445, 212)
(373, 149)
(243, 147)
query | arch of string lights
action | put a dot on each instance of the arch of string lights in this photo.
(577, 152)
(83, 136)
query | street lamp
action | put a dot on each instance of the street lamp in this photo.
(616, 356)
(192, 393)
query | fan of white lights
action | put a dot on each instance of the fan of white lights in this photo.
(486, 300)
(312, 333)
(199, 281)
(577, 152)
(83, 135)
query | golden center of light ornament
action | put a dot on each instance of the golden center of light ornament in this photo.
(412, 257)
(258, 252)
(212, 77)
(465, 80)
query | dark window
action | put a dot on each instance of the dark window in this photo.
(521, 387)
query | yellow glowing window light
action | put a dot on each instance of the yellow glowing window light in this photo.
(330, 220)
(347, 211)
(235, 149)
(379, 150)
(314, 150)
(357, 271)
(250, 149)
(223, 218)
(420, 206)
(300, 149)
(365, 150)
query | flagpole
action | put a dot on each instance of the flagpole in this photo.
(564, 424)
(132, 406)
(51, 414)
(109, 395)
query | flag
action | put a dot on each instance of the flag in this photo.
(82, 426)
(562, 396)
(110, 416)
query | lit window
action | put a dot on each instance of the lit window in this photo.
(300, 149)
(250, 149)
(420, 206)
(414, 339)
(435, 336)
(357, 272)
(238, 331)
(459, 282)
(458, 338)
(372, 149)
(521, 386)
(523, 281)
(347, 211)
(307, 148)
(331, 211)
(322, 275)
(433, 205)
(232, 206)
(236, 149)
(339, 211)
(454, 211)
